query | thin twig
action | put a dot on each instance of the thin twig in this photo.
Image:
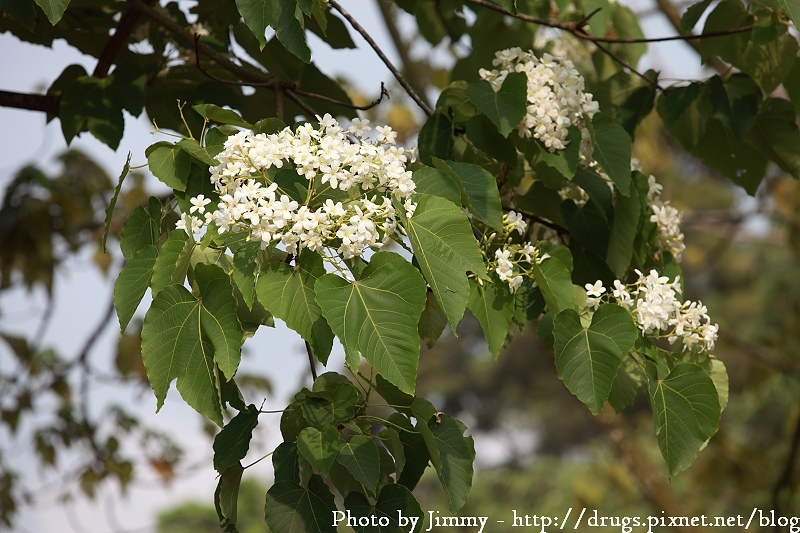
(576, 28)
(561, 230)
(625, 64)
(398, 76)
(328, 99)
(285, 87)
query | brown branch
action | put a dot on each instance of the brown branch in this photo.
(285, 87)
(785, 479)
(561, 230)
(162, 18)
(653, 485)
(576, 28)
(398, 76)
(32, 102)
(124, 29)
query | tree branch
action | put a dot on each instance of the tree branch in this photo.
(659, 492)
(785, 479)
(162, 18)
(112, 48)
(401, 47)
(398, 76)
(671, 12)
(577, 28)
(31, 102)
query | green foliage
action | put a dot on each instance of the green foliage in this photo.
(588, 358)
(377, 314)
(686, 412)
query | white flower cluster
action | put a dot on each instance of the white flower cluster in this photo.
(556, 97)
(513, 262)
(326, 156)
(656, 307)
(668, 220)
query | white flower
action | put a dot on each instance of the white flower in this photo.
(327, 157)
(359, 127)
(555, 94)
(513, 221)
(594, 292)
(199, 204)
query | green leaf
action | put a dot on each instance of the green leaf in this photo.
(288, 293)
(320, 448)
(566, 160)
(113, 203)
(204, 154)
(89, 103)
(218, 318)
(172, 262)
(54, 9)
(456, 453)
(329, 407)
(214, 113)
(391, 439)
(132, 283)
(435, 182)
(506, 107)
(478, 190)
(432, 322)
(232, 443)
(361, 458)
(282, 16)
(692, 15)
(284, 462)
(292, 508)
(396, 505)
(493, 306)
(170, 164)
(226, 497)
(435, 139)
(588, 358)
(22, 12)
(598, 23)
(141, 228)
(612, 149)
(555, 281)
(775, 134)
(719, 375)
(792, 8)
(244, 271)
(184, 338)
(624, 230)
(377, 315)
(686, 411)
(485, 137)
(629, 380)
(445, 248)
(257, 14)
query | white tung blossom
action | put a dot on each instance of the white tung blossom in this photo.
(657, 309)
(251, 203)
(667, 219)
(556, 97)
